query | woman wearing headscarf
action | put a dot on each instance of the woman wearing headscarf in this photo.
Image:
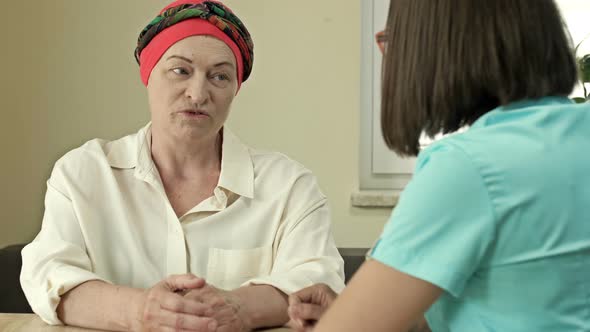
(180, 226)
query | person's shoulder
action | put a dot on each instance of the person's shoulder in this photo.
(89, 151)
(452, 163)
(273, 161)
(448, 150)
(483, 147)
(279, 173)
(94, 153)
(513, 140)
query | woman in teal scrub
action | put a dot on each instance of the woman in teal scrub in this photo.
(493, 231)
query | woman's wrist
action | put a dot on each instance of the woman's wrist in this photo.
(260, 306)
(240, 306)
(134, 311)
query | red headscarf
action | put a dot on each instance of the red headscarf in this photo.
(166, 36)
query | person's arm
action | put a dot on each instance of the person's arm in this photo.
(308, 305)
(305, 252)
(56, 261)
(379, 298)
(421, 326)
(59, 282)
(98, 305)
(245, 308)
(264, 305)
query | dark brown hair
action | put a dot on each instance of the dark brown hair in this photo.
(448, 62)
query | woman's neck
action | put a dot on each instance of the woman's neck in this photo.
(186, 158)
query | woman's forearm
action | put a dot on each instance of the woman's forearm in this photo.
(263, 305)
(421, 326)
(99, 305)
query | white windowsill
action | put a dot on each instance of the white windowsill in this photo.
(375, 198)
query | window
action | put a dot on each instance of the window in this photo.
(380, 168)
(575, 13)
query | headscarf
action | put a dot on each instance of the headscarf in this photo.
(185, 18)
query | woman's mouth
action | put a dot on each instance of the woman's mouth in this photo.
(194, 114)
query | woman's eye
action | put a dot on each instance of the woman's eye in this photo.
(221, 77)
(180, 71)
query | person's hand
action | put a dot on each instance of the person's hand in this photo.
(163, 308)
(308, 305)
(227, 308)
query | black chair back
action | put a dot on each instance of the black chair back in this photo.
(12, 298)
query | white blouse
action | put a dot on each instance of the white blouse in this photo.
(107, 217)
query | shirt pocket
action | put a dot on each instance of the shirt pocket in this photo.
(230, 268)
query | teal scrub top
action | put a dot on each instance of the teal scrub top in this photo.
(499, 218)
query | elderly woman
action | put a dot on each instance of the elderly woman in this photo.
(131, 226)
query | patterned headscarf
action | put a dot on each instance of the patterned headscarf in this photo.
(184, 18)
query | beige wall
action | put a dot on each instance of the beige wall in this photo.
(68, 75)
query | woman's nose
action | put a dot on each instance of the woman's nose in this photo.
(197, 90)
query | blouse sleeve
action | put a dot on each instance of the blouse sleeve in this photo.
(56, 260)
(306, 252)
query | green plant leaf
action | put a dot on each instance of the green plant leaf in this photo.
(579, 100)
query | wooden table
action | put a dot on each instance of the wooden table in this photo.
(32, 323)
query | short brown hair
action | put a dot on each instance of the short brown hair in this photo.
(448, 62)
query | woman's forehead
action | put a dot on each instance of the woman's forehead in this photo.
(201, 48)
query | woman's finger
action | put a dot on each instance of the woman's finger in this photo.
(177, 303)
(184, 281)
(182, 321)
(307, 311)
